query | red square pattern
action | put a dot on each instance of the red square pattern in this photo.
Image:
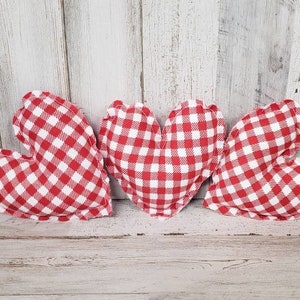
(63, 178)
(259, 175)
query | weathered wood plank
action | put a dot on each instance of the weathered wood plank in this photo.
(293, 86)
(129, 220)
(228, 267)
(104, 53)
(32, 54)
(255, 42)
(88, 296)
(179, 52)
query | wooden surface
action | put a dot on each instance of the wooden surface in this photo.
(196, 255)
(180, 41)
(187, 267)
(255, 40)
(239, 54)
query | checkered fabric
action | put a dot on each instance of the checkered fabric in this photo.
(63, 178)
(258, 175)
(161, 170)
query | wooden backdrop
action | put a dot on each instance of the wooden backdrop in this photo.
(239, 54)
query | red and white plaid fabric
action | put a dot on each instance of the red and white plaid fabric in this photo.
(258, 176)
(63, 178)
(162, 170)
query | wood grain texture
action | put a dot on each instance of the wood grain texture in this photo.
(168, 267)
(110, 296)
(179, 53)
(32, 56)
(255, 40)
(293, 85)
(104, 54)
(238, 53)
(87, 296)
(129, 220)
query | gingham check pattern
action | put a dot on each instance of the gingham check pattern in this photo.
(64, 178)
(258, 176)
(162, 170)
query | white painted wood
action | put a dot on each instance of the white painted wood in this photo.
(129, 220)
(108, 296)
(32, 56)
(179, 53)
(240, 54)
(168, 267)
(87, 296)
(254, 52)
(293, 86)
(104, 54)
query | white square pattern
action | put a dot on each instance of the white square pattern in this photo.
(257, 167)
(64, 179)
(162, 169)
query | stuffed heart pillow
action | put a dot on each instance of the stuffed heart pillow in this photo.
(161, 170)
(64, 177)
(258, 175)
